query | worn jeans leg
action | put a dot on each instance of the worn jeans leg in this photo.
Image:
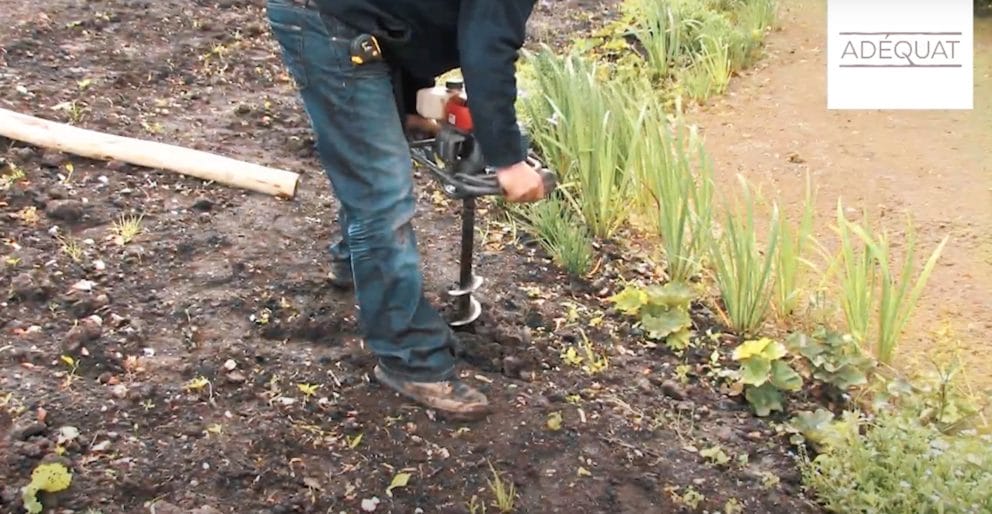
(364, 152)
(339, 250)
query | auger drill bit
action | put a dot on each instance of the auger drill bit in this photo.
(455, 161)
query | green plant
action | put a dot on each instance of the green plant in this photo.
(894, 464)
(789, 258)
(126, 228)
(71, 248)
(813, 427)
(560, 234)
(681, 198)
(591, 361)
(662, 32)
(745, 272)
(663, 311)
(476, 506)
(16, 174)
(870, 288)
(937, 398)
(833, 358)
(504, 493)
(584, 128)
(764, 374)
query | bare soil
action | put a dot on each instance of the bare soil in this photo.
(773, 127)
(230, 287)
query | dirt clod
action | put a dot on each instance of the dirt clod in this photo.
(25, 431)
(28, 287)
(203, 204)
(52, 159)
(673, 390)
(69, 211)
(87, 330)
(24, 153)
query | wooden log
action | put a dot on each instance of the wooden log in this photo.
(151, 154)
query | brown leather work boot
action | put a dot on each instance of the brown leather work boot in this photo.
(452, 398)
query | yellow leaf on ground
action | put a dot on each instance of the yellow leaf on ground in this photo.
(400, 480)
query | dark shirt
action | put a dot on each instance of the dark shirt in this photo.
(426, 38)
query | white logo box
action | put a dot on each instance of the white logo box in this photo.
(900, 54)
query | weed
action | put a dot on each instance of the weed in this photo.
(74, 110)
(476, 506)
(126, 228)
(71, 248)
(73, 365)
(744, 272)
(29, 215)
(15, 175)
(504, 493)
(591, 362)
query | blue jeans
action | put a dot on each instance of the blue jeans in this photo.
(363, 149)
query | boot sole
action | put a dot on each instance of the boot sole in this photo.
(384, 379)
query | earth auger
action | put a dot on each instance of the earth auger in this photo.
(455, 160)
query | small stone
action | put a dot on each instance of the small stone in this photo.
(236, 377)
(229, 364)
(25, 431)
(119, 391)
(370, 504)
(685, 405)
(672, 390)
(134, 253)
(105, 377)
(69, 211)
(83, 285)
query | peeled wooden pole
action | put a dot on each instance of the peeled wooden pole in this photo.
(151, 154)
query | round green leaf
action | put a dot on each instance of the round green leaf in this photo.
(784, 377)
(755, 371)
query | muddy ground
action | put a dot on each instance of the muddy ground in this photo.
(213, 366)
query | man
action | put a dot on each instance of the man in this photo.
(355, 112)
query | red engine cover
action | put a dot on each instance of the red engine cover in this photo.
(458, 114)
